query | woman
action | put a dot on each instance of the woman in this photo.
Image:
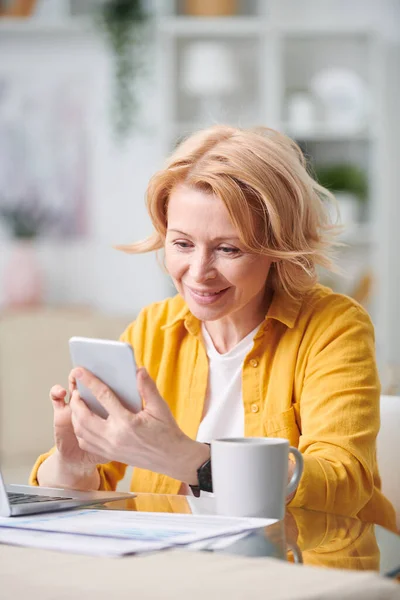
(251, 345)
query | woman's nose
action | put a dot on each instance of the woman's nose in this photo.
(202, 267)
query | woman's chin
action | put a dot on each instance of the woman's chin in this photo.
(206, 313)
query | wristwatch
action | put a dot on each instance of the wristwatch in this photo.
(204, 478)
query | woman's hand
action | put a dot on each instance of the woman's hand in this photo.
(64, 436)
(69, 466)
(150, 439)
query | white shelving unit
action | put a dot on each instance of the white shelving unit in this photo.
(277, 47)
(272, 58)
(27, 27)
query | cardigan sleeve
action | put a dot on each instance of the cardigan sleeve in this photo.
(339, 412)
(110, 473)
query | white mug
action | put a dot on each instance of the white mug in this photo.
(250, 476)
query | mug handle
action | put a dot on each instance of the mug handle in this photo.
(298, 470)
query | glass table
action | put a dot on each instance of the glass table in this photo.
(304, 536)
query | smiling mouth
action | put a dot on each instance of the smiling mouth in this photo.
(206, 294)
(206, 297)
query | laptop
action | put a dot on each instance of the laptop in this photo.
(16, 500)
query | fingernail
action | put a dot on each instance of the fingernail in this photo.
(78, 374)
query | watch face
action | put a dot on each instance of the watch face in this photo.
(204, 476)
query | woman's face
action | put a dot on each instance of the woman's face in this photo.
(206, 260)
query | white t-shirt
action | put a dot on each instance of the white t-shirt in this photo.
(223, 414)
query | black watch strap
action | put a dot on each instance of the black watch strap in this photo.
(204, 477)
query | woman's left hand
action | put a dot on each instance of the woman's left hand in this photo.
(150, 439)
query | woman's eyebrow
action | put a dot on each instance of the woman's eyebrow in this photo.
(217, 239)
(178, 231)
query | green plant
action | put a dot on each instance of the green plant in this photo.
(26, 219)
(122, 21)
(342, 177)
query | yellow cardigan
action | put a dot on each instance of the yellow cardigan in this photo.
(310, 377)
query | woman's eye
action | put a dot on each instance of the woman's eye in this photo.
(228, 250)
(182, 245)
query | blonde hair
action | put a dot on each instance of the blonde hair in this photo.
(278, 209)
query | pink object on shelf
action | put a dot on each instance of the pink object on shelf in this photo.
(23, 280)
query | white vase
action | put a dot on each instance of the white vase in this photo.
(23, 279)
(301, 113)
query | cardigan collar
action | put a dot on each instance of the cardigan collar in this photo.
(283, 308)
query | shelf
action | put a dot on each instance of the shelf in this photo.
(212, 26)
(182, 127)
(325, 29)
(317, 135)
(255, 25)
(37, 26)
(322, 133)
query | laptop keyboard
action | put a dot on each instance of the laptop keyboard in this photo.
(25, 498)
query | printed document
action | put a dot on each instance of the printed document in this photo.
(115, 533)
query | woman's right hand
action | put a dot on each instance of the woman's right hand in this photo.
(69, 466)
(64, 436)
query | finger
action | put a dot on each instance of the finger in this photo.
(91, 447)
(57, 393)
(71, 383)
(100, 390)
(88, 427)
(142, 382)
(148, 390)
(83, 417)
(58, 397)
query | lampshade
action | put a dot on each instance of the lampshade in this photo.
(208, 69)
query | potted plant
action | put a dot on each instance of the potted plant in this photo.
(122, 21)
(349, 183)
(26, 220)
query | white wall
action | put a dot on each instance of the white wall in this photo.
(387, 218)
(89, 271)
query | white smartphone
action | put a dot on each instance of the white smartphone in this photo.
(113, 363)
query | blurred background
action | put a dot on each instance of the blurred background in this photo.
(94, 95)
